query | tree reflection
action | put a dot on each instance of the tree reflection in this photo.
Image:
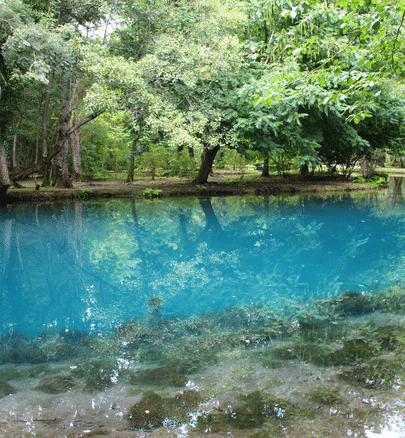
(95, 264)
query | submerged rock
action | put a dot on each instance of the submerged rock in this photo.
(353, 304)
(56, 384)
(6, 389)
(150, 412)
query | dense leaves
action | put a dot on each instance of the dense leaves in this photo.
(299, 83)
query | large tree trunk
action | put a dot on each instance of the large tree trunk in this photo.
(74, 142)
(4, 179)
(13, 164)
(131, 169)
(206, 165)
(62, 170)
(46, 178)
(265, 171)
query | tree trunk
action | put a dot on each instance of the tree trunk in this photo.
(304, 170)
(131, 169)
(4, 179)
(62, 170)
(265, 171)
(206, 165)
(46, 179)
(14, 146)
(74, 142)
(367, 167)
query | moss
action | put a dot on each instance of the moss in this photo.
(273, 364)
(56, 384)
(10, 373)
(308, 352)
(27, 355)
(353, 304)
(159, 376)
(390, 338)
(150, 355)
(253, 411)
(6, 388)
(310, 330)
(381, 372)
(97, 374)
(351, 354)
(37, 370)
(149, 413)
(324, 395)
(152, 409)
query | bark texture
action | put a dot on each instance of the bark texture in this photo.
(4, 178)
(74, 143)
(206, 165)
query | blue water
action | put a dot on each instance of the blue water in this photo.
(92, 265)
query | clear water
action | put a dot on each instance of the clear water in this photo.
(93, 265)
(110, 289)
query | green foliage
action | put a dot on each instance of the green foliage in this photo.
(152, 193)
(182, 165)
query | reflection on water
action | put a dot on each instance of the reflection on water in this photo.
(253, 316)
(91, 266)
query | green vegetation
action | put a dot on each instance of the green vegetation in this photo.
(150, 412)
(176, 88)
(55, 384)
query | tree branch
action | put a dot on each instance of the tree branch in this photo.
(47, 160)
(396, 38)
(82, 122)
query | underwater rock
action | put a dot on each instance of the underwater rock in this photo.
(56, 384)
(6, 389)
(97, 374)
(150, 412)
(353, 304)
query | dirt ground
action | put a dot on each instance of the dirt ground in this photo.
(225, 184)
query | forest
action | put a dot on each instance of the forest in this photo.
(96, 86)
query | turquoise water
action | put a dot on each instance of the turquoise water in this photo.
(242, 316)
(93, 265)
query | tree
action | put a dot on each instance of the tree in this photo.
(39, 52)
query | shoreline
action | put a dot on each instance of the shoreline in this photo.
(170, 187)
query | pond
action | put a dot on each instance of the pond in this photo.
(247, 316)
